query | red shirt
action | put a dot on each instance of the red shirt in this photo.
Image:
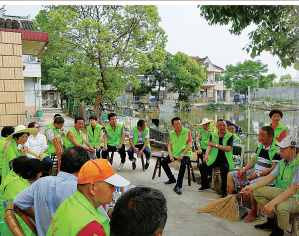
(92, 229)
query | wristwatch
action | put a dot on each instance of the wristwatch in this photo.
(258, 175)
(216, 145)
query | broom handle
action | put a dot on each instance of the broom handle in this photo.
(242, 199)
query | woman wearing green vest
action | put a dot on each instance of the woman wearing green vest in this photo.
(17, 170)
(280, 132)
(31, 172)
(5, 132)
(283, 198)
(205, 129)
(95, 135)
(16, 148)
(55, 130)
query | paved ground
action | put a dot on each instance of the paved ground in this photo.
(184, 218)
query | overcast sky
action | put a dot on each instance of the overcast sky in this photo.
(189, 33)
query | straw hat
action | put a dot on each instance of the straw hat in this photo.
(206, 120)
(21, 129)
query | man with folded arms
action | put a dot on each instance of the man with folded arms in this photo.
(283, 198)
(79, 214)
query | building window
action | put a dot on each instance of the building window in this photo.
(45, 95)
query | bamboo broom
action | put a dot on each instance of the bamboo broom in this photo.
(226, 208)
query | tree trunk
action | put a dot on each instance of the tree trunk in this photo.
(96, 107)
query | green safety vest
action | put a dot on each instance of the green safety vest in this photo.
(272, 151)
(74, 214)
(114, 136)
(51, 147)
(4, 183)
(11, 153)
(287, 174)
(2, 145)
(136, 132)
(236, 138)
(278, 130)
(179, 143)
(214, 151)
(78, 137)
(14, 187)
(94, 137)
(205, 138)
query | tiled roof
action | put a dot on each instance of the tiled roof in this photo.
(47, 87)
(204, 59)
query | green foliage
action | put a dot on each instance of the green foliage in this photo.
(186, 75)
(266, 81)
(159, 74)
(142, 90)
(248, 73)
(94, 51)
(277, 28)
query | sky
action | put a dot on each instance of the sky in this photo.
(189, 33)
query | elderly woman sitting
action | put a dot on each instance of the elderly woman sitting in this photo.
(37, 147)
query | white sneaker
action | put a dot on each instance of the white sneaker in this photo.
(121, 165)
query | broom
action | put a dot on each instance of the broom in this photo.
(227, 207)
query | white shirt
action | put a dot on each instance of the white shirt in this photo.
(36, 144)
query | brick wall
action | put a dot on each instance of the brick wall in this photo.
(12, 102)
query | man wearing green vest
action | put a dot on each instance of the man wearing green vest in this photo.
(139, 139)
(114, 138)
(218, 154)
(179, 148)
(54, 130)
(283, 198)
(95, 135)
(79, 214)
(261, 164)
(74, 137)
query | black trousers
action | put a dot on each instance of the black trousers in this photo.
(205, 170)
(122, 152)
(184, 163)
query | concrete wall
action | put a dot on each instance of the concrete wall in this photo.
(289, 92)
(12, 101)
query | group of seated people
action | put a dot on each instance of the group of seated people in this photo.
(275, 158)
(86, 182)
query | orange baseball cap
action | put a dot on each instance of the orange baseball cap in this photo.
(100, 170)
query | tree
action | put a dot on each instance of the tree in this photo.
(266, 81)
(142, 90)
(248, 73)
(285, 80)
(106, 46)
(186, 75)
(277, 28)
(159, 74)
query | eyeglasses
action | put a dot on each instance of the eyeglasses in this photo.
(38, 127)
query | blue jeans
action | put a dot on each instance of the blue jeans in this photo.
(140, 146)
